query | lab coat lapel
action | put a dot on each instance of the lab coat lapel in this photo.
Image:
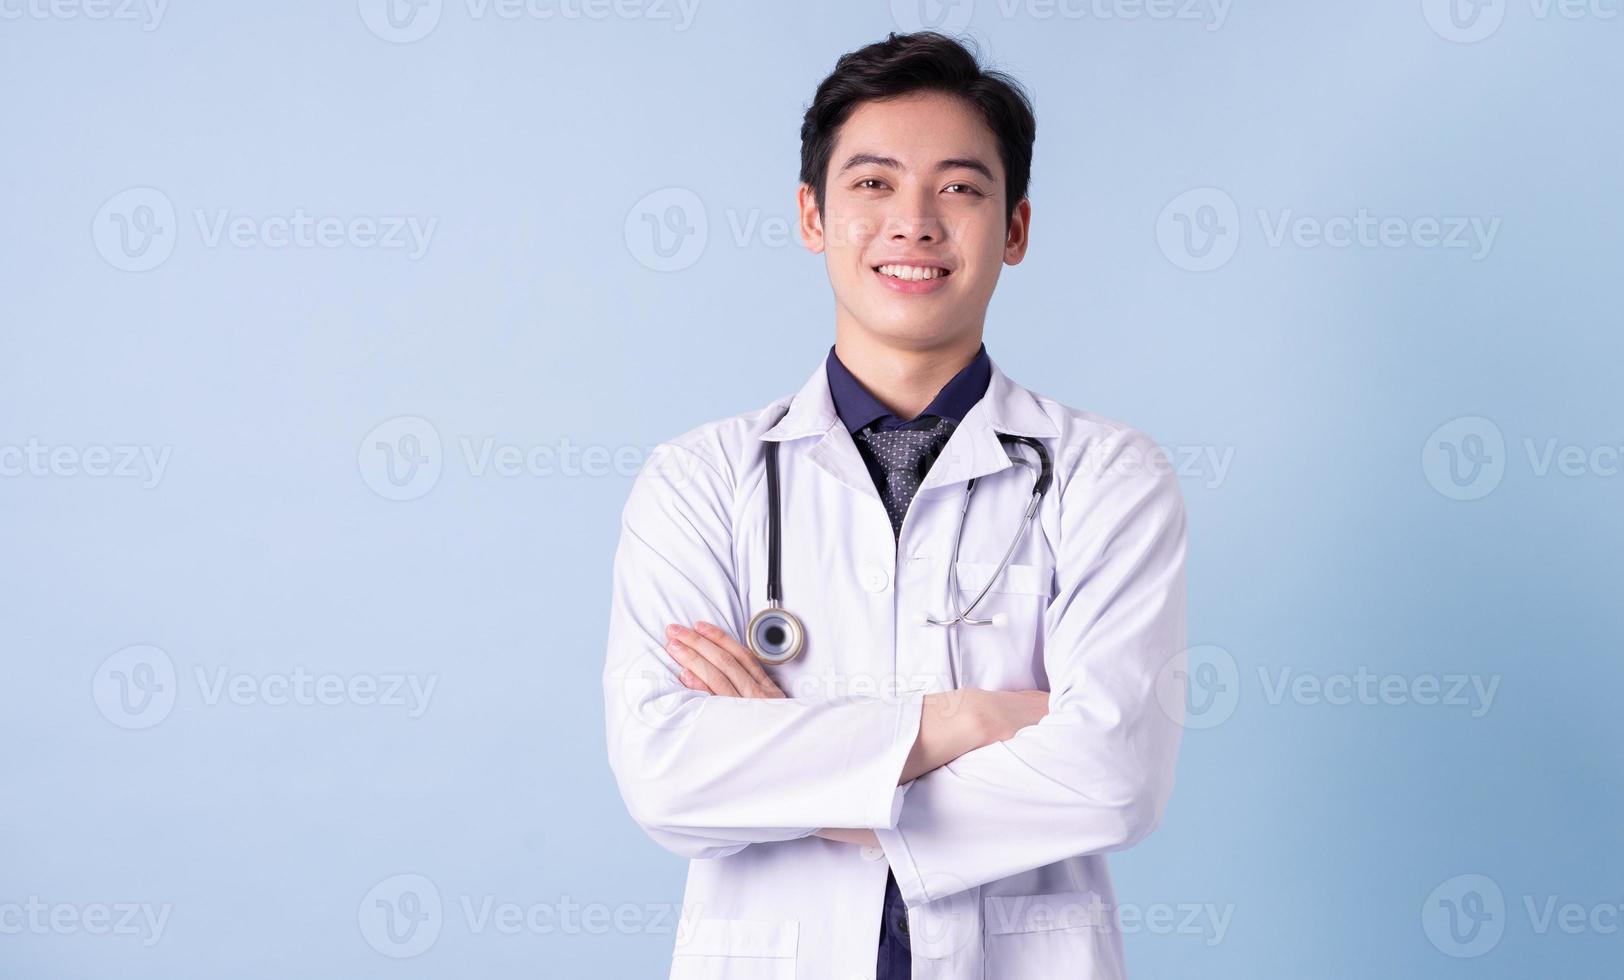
(812, 413)
(974, 449)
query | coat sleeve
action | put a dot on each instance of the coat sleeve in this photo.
(705, 775)
(1096, 773)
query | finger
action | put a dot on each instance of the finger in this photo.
(707, 672)
(741, 653)
(691, 682)
(723, 661)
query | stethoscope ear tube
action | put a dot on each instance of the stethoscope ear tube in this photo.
(1039, 486)
(1046, 466)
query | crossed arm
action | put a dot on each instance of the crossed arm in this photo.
(951, 723)
(959, 788)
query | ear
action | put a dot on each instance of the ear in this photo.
(811, 222)
(1019, 234)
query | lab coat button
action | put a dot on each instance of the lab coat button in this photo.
(873, 853)
(873, 577)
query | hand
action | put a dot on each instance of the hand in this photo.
(860, 836)
(715, 663)
(952, 723)
(1003, 713)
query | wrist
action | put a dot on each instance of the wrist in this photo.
(960, 723)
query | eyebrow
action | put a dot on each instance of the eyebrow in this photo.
(954, 163)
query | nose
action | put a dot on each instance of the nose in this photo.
(915, 218)
(917, 230)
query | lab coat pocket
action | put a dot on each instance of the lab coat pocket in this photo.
(1061, 934)
(1016, 578)
(1006, 655)
(736, 949)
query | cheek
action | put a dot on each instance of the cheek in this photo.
(850, 232)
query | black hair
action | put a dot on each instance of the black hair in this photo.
(921, 61)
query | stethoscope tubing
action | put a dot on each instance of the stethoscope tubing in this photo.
(1040, 486)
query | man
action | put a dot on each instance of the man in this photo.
(902, 797)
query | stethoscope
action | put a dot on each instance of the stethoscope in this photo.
(776, 635)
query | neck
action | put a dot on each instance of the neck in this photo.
(903, 379)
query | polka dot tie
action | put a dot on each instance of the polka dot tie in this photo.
(900, 459)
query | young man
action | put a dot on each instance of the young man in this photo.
(921, 773)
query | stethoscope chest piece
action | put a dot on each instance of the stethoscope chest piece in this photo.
(776, 636)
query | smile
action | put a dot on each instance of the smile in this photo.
(912, 273)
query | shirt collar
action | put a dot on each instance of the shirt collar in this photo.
(858, 407)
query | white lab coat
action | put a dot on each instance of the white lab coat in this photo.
(1000, 854)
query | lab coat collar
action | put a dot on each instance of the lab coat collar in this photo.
(972, 451)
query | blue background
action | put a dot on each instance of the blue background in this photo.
(1329, 836)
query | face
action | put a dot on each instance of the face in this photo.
(913, 225)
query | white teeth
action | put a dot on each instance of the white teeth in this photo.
(912, 272)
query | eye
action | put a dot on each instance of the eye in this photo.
(968, 188)
(870, 180)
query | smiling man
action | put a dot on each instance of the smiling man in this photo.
(898, 659)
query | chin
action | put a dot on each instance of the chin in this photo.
(911, 330)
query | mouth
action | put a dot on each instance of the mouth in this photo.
(912, 278)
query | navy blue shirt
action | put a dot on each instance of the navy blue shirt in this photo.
(859, 409)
